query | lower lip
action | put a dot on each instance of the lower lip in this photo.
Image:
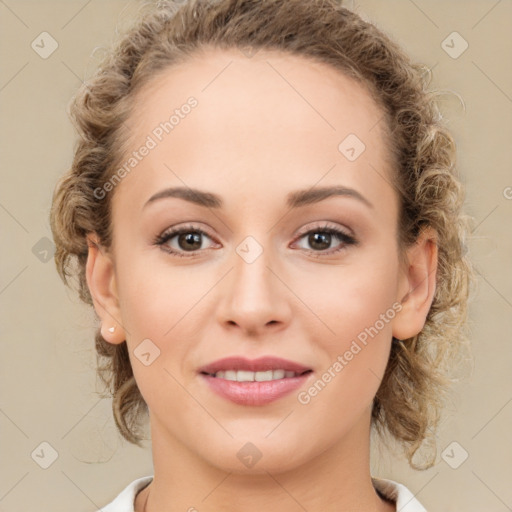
(255, 393)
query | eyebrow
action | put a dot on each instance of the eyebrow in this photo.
(294, 199)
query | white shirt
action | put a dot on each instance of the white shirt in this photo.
(405, 500)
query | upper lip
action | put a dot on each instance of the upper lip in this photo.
(255, 365)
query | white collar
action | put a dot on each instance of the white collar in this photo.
(405, 500)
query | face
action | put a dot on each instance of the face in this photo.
(257, 262)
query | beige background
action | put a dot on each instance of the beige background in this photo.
(47, 366)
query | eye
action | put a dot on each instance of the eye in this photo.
(187, 239)
(321, 238)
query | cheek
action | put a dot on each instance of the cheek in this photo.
(354, 297)
(155, 298)
(164, 305)
(153, 306)
(359, 309)
(365, 313)
(146, 311)
(154, 313)
(358, 305)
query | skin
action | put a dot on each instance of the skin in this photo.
(253, 138)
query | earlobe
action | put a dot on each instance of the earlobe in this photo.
(417, 285)
(101, 282)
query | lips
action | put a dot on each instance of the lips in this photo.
(246, 382)
(262, 364)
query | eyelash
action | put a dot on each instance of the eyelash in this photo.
(347, 240)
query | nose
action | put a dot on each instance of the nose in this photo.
(254, 297)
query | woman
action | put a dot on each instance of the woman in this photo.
(265, 214)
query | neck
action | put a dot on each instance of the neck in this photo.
(337, 479)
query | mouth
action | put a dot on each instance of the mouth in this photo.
(260, 376)
(254, 382)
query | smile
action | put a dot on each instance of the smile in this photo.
(254, 382)
(248, 376)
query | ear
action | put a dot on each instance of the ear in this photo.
(417, 285)
(102, 285)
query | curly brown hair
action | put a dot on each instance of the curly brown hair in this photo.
(412, 392)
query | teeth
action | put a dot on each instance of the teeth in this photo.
(230, 375)
(246, 376)
(278, 374)
(261, 376)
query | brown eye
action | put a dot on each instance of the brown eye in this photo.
(184, 240)
(189, 241)
(319, 240)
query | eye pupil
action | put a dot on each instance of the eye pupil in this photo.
(190, 238)
(322, 239)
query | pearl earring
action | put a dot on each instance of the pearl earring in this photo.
(111, 329)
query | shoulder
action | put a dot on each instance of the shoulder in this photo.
(405, 499)
(125, 500)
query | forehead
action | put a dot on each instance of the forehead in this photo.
(291, 87)
(263, 120)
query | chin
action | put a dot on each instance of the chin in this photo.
(258, 456)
